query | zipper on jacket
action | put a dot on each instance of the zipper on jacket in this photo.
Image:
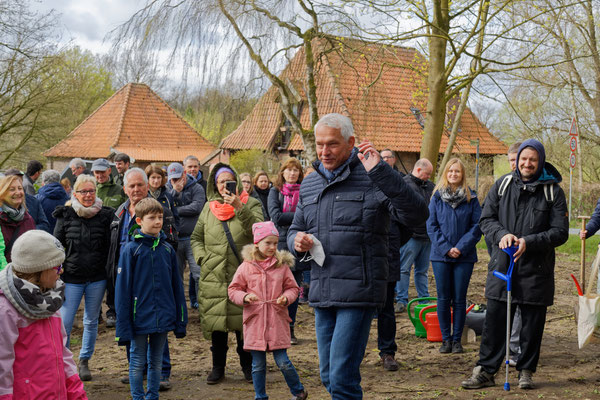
(134, 306)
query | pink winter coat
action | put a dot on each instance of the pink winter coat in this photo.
(34, 362)
(266, 324)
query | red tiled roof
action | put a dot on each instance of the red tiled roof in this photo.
(377, 86)
(136, 121)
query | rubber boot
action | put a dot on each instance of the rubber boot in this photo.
(84, 371)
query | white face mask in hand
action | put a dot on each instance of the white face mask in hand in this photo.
(317, 253)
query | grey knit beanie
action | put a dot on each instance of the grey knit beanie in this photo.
(36, 251)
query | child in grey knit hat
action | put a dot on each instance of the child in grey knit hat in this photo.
(31, 295)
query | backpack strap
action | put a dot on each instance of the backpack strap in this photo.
(549, 192)
(504, 185)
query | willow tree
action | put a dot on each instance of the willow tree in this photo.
(236, 39)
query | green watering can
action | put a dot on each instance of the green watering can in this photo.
(420, 330)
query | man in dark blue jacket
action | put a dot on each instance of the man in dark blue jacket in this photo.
(346, 206)
(417, 250)
(189, 200)
(51, 195)
(526, 208)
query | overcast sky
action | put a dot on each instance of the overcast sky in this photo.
(86, 22)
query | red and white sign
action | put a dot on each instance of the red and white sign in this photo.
(573, 130)
(572, 160)
(573, 143)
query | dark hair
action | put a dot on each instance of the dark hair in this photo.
(154, 169)
(33, 167)
(148, 206)
(290, 162)
(122, 157)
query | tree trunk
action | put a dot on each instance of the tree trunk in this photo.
(436, 83)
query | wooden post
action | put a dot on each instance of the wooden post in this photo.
(583, 219)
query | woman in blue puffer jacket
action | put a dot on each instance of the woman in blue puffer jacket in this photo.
(453, 227)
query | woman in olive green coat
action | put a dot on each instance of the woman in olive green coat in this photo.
(219, 262)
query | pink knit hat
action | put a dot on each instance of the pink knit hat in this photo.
(261, 230)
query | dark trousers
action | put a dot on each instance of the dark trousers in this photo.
(219, 350)
(293, 308)
(493, 338)
(110, 298)
(386, 324)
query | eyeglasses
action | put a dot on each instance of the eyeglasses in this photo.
(85, 192)
(58, 269)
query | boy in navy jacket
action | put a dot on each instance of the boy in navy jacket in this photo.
(149, 298)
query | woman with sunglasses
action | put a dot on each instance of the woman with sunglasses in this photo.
(31, 294)
(83, 228)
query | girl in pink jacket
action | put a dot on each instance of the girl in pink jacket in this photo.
(34, 362)
(265, 286)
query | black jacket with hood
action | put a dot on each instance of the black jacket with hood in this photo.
(526, 212)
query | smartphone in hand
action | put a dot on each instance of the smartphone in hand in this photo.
(231, 187)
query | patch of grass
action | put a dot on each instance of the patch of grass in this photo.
(573, 247)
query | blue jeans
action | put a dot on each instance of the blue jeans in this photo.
(166, 360)
(184, 253)
(342, 335)
(452, 281)
(416, 252)
(146, 348)
(94, 293)
(259, 372)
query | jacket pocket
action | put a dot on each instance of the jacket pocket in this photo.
(539, 218)
(365, 269)
(348, 208)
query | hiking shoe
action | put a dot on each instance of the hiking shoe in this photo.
(248, 375)
(399, 308)
(125, 380)
(301, 396)
(526, 379)
(457, 348)
(84, 371)
(194, 305)
(479, 379)
(389, 363)
(446, 347)
(215, 376)
(111, 321)
(164, 384)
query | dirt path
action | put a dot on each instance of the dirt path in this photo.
(564, 372)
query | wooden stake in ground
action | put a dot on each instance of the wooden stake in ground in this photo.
(583, 219)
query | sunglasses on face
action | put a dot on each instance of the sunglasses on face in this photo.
(58, 269)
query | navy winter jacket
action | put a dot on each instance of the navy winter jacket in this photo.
(189, 204)
(594, 223)
(458, 227)
(51, 196)
(351, 217)
(34, 208)
(149, 294)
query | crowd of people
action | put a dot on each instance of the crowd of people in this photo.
(342, 236)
